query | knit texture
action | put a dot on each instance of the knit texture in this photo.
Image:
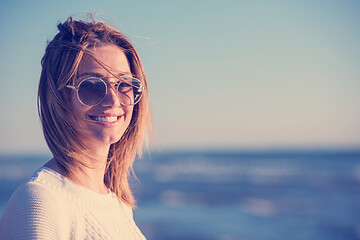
(48, 206)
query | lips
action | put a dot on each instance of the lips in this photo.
(104, 118)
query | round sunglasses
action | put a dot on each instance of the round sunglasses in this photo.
(92, 91)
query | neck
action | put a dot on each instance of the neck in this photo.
(90, 169)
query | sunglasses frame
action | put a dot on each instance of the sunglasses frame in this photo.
(117, 84)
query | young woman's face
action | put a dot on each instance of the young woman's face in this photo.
(106, 122)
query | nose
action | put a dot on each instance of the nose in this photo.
(111, 98)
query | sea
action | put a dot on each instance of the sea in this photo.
(234, 195)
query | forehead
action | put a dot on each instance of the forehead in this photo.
(105, 58)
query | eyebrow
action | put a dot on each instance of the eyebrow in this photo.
(99, 75)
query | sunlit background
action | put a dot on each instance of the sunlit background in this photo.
(255, 106)
(223, 74)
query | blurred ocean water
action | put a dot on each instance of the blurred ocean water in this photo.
(264, 195)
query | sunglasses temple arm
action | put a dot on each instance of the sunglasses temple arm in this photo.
(70, 86)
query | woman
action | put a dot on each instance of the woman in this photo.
(93, 106)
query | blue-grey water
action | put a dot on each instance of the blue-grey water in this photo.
(263, 195)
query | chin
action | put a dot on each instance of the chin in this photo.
(104, 138)
(110, 139)
(106, 141)
(114, 140)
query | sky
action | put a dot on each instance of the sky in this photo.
(222, 74)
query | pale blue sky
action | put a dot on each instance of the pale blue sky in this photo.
(222, 74)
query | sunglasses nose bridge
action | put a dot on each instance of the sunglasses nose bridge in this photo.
(111, 97)
(112, 85)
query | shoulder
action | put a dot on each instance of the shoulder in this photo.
(32, 195)
(33, 210)
(128, 209)
(35, 194)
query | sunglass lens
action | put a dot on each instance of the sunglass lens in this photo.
(92, 91)
(130, 91)
(138, 90)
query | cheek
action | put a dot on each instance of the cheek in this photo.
(129, 113)
(73, 102)
(76, 108)
(128, 116)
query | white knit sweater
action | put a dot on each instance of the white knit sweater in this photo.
(48, 206)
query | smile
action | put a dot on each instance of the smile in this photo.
(106, 119)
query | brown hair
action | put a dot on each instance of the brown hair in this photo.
(59, 67)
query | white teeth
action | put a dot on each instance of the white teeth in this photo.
(104, 119)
